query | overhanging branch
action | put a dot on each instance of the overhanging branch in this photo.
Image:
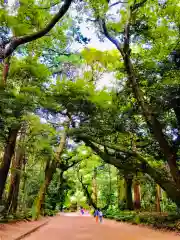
(116, 3)
(17, 41)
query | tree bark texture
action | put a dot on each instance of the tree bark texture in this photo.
(128, 191)
(6, 161)
(137, 195)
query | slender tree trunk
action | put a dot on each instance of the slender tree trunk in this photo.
(39, 202)
(24, 179)
(6, 161)
(94, 187)
(49, 172)
(60, 190)
(110, 187)
(121, 190)
(118, 191)
(128, 189)
(137, 195)
(90, 200)
(158, 198)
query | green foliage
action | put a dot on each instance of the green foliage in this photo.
(49, 81)
(168, 221)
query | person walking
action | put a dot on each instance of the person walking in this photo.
(82, 210)
(100, 216)
(96, 215)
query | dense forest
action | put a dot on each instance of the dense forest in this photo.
(85, 126)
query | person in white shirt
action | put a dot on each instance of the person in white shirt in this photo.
(100, 216)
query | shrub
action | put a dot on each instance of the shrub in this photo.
(49, 212)
(169, 221)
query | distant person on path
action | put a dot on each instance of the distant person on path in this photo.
(82, 210)
(96, 215)
(100, 216)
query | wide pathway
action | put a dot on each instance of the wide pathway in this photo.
(73, 227)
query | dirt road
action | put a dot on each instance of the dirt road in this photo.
(74, 227)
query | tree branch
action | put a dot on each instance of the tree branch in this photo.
(116, 3)
(17, 41)
(138, 5)
(86, 192)
(110, 37)
(47, 7)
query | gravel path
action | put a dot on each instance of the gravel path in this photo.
(74, 227)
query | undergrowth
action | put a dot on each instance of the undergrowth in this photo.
(169, 221)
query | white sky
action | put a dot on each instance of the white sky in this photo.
(95, 43)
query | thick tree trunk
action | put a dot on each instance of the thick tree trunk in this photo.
(12, 200)
(158, 198)
(6, 161)
(128, 189)
(153, 122)
(137, 195)
(147, 110)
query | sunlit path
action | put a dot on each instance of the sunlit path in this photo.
(74, 214)
(74, 227)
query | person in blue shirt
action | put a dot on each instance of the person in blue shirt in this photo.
(96, 215)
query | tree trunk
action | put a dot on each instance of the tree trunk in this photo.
(60, 190)
(94, 187)
(24, 179)
(158, 198)
(137, 195)
(6, 161)
(128, 190)
(153, 122)
(12, 200)
(49, 171)
(121, 190)
(147, 110)
(109, 200)
(162, 178)
(88, 195)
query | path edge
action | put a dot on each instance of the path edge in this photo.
(31, 231)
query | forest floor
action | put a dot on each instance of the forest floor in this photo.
(75, 227)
